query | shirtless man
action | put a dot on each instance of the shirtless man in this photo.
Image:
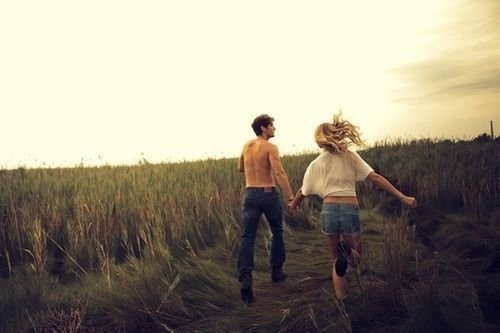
(260, 161)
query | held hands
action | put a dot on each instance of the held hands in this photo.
(294, 203)
(293, 207)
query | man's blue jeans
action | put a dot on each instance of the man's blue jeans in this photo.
(256, 202)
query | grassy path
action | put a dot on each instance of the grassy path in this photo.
(399, 287)
(393, 290)
(305, 302)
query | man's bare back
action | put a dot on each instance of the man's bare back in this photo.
(256, 164)
(259, 161)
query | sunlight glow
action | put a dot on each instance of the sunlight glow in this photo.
(117, 81)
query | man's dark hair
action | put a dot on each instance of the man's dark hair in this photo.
(262, 120)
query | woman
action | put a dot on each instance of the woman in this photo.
(332, 176)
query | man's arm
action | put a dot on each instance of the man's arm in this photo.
(279, 173)
(241, 164)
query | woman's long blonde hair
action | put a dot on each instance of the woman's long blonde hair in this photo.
(338, 135)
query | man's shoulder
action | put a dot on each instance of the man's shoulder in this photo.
(249, 143)
(271, 148)
(260, 143)
(270, 144)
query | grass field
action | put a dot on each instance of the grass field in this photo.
(151, 248)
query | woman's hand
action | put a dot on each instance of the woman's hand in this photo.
(409, 201)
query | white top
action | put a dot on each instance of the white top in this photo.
(335, 174)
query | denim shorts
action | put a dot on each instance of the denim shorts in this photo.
(340, 218)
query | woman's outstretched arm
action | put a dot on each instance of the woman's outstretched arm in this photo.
(382, 183)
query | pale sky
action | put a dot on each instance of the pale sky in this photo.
(110, 82)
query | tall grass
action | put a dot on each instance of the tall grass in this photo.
(62, 225)
(92, 215)
(449, 175)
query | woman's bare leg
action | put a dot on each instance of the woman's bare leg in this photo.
(339, 282)
(357, 247)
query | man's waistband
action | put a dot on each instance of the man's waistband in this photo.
(262, 189)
